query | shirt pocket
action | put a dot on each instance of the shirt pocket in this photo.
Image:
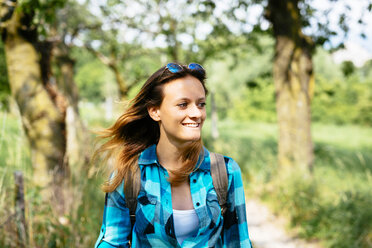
(145, 214)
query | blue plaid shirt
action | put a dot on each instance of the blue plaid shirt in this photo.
(154, 225)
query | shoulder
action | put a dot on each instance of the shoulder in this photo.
(232, 166)
(120, 189)
(234, 174)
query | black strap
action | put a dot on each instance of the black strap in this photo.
(132, 186)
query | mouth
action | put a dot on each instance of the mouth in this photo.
(192, 125)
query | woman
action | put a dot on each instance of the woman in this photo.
(177, 206)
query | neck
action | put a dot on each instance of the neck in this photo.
(170, 154)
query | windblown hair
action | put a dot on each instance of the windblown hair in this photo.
(135, 130)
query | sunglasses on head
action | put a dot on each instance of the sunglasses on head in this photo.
(174, 68)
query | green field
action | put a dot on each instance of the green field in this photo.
(333, 205)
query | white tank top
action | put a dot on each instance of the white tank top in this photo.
(186, 223)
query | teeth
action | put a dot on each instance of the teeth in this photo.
(191, 124)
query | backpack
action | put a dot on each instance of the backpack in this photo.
(132, 185)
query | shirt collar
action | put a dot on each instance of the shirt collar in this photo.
(148, 156)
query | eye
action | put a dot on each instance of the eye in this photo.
(182, 105)
(202, 104)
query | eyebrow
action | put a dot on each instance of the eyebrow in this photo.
(188, 99)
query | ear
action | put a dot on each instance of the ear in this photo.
(154, 113)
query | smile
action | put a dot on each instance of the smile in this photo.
(191, 124)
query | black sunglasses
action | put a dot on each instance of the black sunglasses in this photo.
(175, 68)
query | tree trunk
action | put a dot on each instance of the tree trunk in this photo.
(112, 63)
(65, 79)
(42, 119)
(123, 87)
(76, 133)
(294, 83)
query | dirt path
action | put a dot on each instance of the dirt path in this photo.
(268, 231)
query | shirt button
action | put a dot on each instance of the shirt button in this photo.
(194, 180)
(197, 204)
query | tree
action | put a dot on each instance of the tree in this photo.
(69, 22)
(348, 68)
(107, 42)
(42, 105)
(294, 83)
(294, 76)
(297, 28)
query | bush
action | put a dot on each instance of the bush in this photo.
(342, 102)
(344, 222)
(348, 222)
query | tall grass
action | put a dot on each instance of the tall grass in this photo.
(45, 230)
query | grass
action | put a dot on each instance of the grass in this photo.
(44, 229)
(332, 206)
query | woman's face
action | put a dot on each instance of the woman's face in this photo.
(182, 112)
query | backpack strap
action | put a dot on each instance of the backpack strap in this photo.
(132, 186)
(220, 179)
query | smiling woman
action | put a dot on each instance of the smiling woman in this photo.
(177, 204)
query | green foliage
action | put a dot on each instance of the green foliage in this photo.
(340, 98)
(366, 71)
(42, 12)
(343, 221)
(83, 223)
(348, 68)
(297, 197)
(248, 92)
(238, 76)
(332, 205)
(333, 99)
(94, 81)
(44, 229)
(14, 155)
(349, 222)
(252, 144)
(258, 102)
(4, 83)
(324, 65)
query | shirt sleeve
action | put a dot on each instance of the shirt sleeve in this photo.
(235, 233)
(116, 226)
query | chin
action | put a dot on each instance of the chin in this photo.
(192, 139)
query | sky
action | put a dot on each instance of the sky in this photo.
(357, 49)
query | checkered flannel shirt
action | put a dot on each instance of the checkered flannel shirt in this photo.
(154, 226)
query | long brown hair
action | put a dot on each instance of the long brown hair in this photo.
(134, 131)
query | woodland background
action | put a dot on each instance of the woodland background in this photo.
(298, 124)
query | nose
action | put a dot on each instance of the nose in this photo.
(195, 111)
